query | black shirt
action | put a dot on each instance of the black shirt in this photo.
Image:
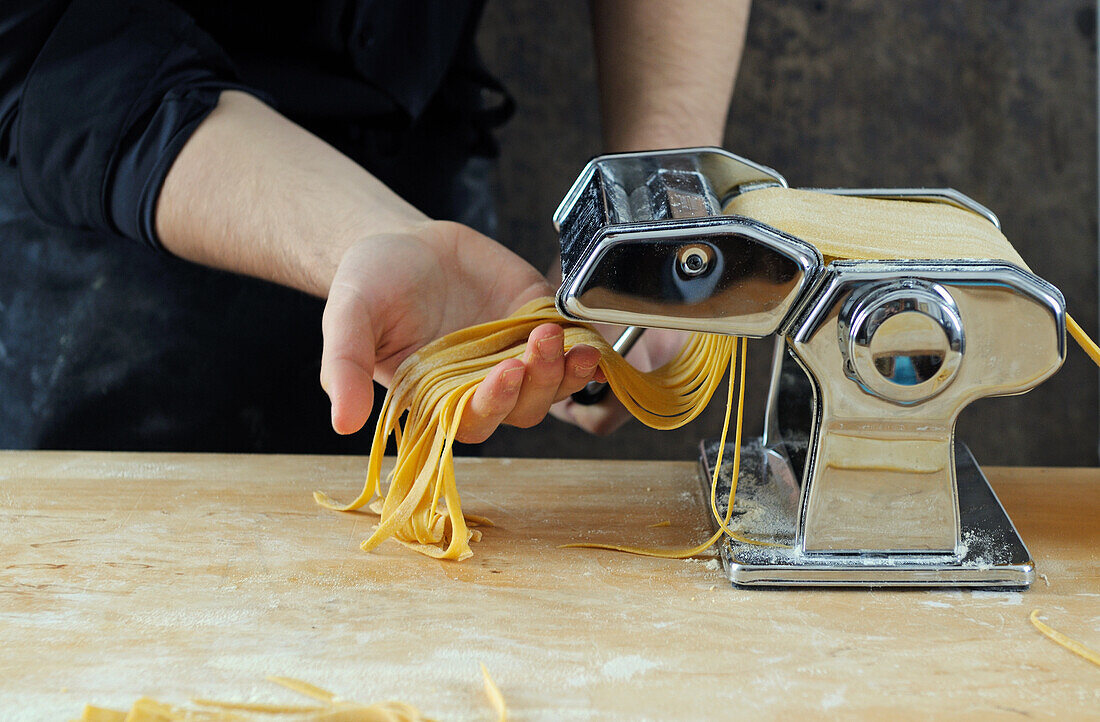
(106, 344)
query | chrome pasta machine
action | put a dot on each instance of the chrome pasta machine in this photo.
(858, 479)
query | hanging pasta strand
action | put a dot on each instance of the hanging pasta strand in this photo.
(421, 507)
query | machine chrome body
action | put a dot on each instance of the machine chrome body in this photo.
(880, 472)
(644, 244)
(904, 339)
(859, 477)
(990, 554)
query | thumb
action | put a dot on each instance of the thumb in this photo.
(347, 358)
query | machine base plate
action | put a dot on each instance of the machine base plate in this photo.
(991, 553)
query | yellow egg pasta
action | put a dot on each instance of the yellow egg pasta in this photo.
(328, 708)
(852, 227)
(421, 506)
(1063, 640)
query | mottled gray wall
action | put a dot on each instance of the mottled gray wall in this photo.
(995, 98)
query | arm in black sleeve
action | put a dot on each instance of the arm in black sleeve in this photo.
(97, 97)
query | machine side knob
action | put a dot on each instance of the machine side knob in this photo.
(901, 340)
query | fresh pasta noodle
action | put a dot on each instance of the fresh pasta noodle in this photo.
(1062, 640)
(420, 506)
(723, 522)
(329, 708)
(496, 698)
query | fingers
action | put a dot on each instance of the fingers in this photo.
(544, 359)
(351, 390)
(519, 392)
(581, 366)
(492, 402)
(347, 358)
(551, 374)
(655, 348)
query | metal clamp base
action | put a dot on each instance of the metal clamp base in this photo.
(766, 509)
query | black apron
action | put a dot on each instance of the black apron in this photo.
(109, 344)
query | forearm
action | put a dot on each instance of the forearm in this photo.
(253, 193)
(666, 70)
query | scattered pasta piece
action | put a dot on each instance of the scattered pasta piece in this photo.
(1067, 642)
(331, 709)
(495, 697)
(660, 524)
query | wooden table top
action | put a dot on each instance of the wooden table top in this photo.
(180, 576)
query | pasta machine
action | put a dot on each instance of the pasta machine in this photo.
(858, 479)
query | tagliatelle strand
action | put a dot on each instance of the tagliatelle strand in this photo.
(693, 551)
(330, 709)
(421, 507)
(723, 524)
(1087, 344)
(496, 699)
(1062, 640)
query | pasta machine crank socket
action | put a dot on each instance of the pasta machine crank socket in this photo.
(858, 479)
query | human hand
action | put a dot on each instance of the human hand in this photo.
(394, 292)
(653, 349)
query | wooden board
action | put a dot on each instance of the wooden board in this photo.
(197, 575)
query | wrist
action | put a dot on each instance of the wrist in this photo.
(361, 233)
(659, 129)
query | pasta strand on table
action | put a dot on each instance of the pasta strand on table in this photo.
(1063, 640)
(330, 708)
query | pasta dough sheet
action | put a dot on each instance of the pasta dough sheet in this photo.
(851, 227)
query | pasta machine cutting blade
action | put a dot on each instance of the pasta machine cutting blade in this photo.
(858, 479)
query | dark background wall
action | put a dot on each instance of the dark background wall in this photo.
(996, 98)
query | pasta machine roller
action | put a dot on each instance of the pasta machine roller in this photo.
(858, 479)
